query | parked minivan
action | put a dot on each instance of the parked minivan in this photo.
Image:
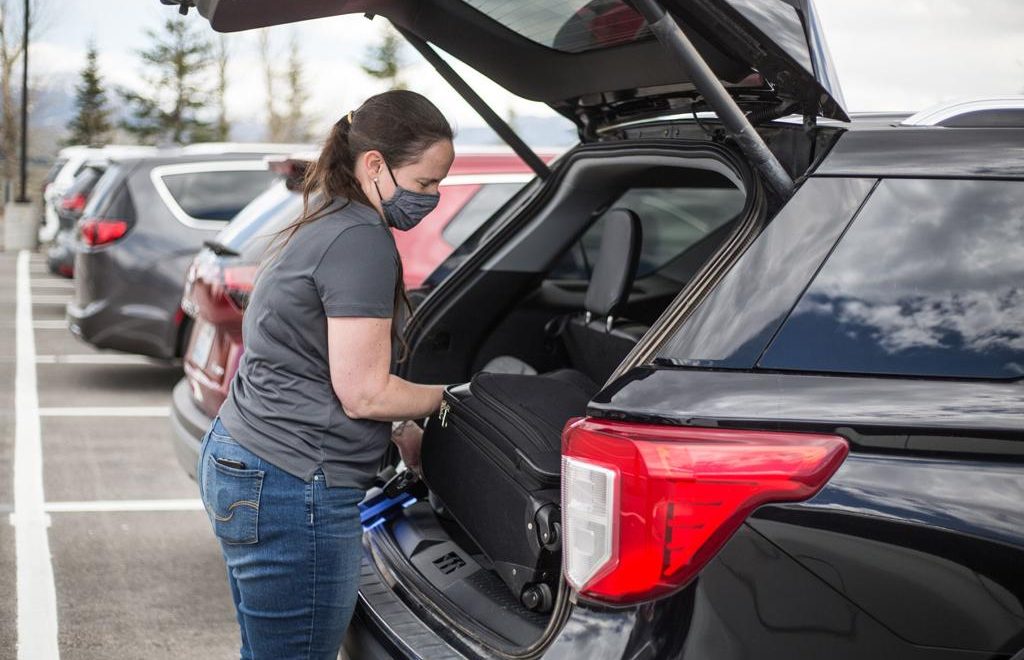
(144, 222)
(800, 339)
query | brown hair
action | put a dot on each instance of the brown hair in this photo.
(401, 125)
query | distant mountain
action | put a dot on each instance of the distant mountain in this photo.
(54, 106)
(535, 131)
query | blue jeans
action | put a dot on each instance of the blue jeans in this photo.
(292, 550)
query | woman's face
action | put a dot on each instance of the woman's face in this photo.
(422, 176)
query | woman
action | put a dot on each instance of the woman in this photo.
(308, 417)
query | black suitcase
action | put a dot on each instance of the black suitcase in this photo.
(492, 456)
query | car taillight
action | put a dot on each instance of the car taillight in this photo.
(74, 203)
(293, 170)
(238, 283)
(645, 507)
(100, 231)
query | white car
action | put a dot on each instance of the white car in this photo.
(75, 158)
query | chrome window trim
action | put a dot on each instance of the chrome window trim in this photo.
(157, 174)
(484, 179)
(935, 115)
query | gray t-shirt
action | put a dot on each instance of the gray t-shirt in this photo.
(281, 405)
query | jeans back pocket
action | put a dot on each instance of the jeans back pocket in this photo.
(232, 499)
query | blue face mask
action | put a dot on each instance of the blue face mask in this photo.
(406, 208)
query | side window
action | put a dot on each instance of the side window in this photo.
(673, 220)
(216, 195)
(102, 193)
(258, 225)
(487, 200)
(927, 281)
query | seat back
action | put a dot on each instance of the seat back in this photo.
(596, 341)
(615, 268)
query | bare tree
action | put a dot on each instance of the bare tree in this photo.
(222, 129)
(275, 121)
(11, 52)
(297, 129)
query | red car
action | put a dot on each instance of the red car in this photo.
(221, 276)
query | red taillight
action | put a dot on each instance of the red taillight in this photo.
(293, 169)
(645, 507)
(238, 283)
(74, 203)
(96, 231)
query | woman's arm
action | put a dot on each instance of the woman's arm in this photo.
(359, 352)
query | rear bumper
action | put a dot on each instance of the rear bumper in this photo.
(60, 258)
(188, 425)
(140, 329)
(384, 627)
(123, 304)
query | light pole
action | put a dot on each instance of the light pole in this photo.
(24, 108)
(21, 222)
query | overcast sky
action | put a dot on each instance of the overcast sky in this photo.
(890, 54)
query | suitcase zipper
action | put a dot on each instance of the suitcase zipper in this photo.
(443, 412)
(511, 417)
(469, 429)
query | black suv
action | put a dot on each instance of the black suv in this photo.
(809, 441)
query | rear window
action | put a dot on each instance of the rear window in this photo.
(216, 195)
(673, 220)
(255, 226)
(572, 26)
(85, 181)
(103, 192)
(927, 281)
(477, 210)
(54, 170)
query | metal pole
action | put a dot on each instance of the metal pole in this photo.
(497, 124)
(24, 107)
(671, 36)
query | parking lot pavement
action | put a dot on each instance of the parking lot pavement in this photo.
(136, 572)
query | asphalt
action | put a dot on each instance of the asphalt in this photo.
(129, 584)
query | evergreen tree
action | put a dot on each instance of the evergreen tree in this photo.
(91, 123)
(384, 61)
(176, 66)
(297, 128)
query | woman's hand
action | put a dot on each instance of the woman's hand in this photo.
(409, 438)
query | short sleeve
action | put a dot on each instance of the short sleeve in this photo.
(356, 276)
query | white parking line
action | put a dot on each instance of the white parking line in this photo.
(51, 300)
(111, 411)
(50, 324)
(37, 594)
(94, 358)
(124, 505)
(44, 324)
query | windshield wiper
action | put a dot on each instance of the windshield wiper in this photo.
(220, 249)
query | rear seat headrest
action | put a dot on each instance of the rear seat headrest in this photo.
(616, 263)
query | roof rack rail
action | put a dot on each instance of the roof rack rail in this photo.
(1003, 111)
